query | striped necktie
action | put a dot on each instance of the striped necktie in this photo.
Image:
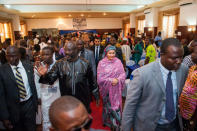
(20, 84)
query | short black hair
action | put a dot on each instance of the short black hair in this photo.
(168, 42)
(62, 104)
(37, 47)
(49, 48)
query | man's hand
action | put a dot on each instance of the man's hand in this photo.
(114, 81)
(7, 124)
(42, 69)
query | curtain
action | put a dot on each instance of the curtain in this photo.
(169, 26)
(5, 31)
(23, 31)
(141, 25)
(126, 29)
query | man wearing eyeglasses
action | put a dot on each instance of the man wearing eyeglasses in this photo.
(69, 114)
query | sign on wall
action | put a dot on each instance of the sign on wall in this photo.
(79, 23)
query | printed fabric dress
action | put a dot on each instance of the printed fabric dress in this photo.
(112, 95)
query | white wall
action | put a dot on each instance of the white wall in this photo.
(132, 20)
(151, 19)
(188, 15)
(66, 23)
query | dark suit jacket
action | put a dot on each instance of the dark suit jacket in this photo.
(2, 57)
(89, 56)
(100, 53)
(58, 56)
(9, 94)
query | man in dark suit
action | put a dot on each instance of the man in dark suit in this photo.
(2, 53)
(86, 54)
(98, 50)
(18, 97)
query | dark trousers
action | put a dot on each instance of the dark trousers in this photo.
(27, 120)
(173, 126)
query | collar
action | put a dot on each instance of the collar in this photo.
(20, 65)
(166, 71)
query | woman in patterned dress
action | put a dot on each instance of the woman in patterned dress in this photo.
(111, 79)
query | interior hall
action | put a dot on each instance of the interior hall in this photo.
(98, 65)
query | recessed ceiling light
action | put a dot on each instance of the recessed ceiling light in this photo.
(82, 15)
(33, 16)
(104, 14)
(69, 15)
(140, 6)
(8, 6)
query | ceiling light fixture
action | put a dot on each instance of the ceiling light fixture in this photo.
(82, 15)
(8, 6)
(104, 14)
(140, 6)
(33, 16)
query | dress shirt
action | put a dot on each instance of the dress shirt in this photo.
(164, 73)
(23, 73)
(97, 48)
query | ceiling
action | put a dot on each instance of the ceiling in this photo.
(77, 8)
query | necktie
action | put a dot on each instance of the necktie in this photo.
(170, 111)
(20, 84)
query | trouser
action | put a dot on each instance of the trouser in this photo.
(27, 121)
(173, 126)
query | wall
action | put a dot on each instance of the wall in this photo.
(188, 15)
(66, 23)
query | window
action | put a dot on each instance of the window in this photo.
(126, 30)
(23, 30)
(141, 25)
(5, 31)
(168, 26)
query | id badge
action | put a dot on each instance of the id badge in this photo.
(52, 89)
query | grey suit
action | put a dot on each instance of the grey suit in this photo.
(89, 56)
(146, 97)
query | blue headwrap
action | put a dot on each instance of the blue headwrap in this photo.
(109, 47)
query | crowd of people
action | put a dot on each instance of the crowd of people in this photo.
(52, 81)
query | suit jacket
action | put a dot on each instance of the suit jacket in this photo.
(9, 93)
(100, 53)
(89, 56)
(146, 97)
(3, 57)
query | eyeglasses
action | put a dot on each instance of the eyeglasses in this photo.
(96, 41)
(86, 125)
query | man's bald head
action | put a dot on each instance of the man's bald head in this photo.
(11, 49)
(71, 51)
(12, 55)
(66, 109)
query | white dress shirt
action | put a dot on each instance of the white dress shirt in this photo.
(23, 73)
(97, 48)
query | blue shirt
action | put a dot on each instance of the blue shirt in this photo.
(157, 38)
(164, 73)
